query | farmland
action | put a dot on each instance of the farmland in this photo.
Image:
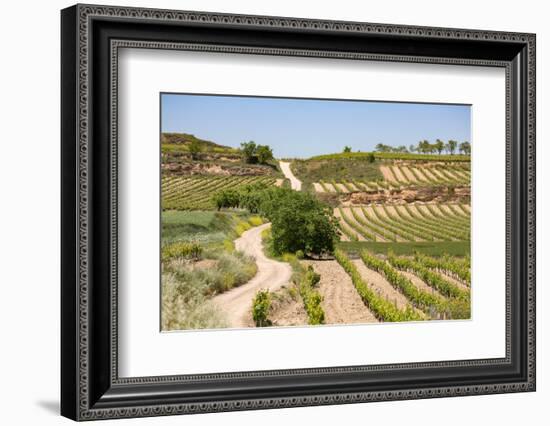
(360, 237)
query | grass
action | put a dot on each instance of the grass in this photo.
(188, 284)
(453, 248)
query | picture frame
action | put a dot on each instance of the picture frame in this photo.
(90, 384)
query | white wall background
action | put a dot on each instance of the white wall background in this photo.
(29, 213)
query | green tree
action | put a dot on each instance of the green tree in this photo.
(370, 157)
(264, 153)
(383, 148)
(465, 148)
(347, 149)
(451, 146)
(195, 148)
(248, 151)
(439, 146)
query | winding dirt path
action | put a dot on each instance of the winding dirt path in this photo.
(294, 182)
(271, 275)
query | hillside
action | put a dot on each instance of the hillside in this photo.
(181, 141)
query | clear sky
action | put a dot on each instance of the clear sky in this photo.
(304, 127)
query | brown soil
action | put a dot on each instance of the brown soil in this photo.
(409, 174)
(341, 188)
(287, 310)
(341, 302)
(388, 175)
(398, 174)
(318, 187)
(419, 284)
(329, 187)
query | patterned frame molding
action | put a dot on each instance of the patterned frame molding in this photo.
(84, 397)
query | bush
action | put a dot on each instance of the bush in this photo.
(298, 220)
(312, 298)
(181, 249)
(260, 308)
(299, 254)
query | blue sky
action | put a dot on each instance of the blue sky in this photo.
(304, 127)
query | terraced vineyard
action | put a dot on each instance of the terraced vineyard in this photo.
(400, 176)
(195, 192)
(405, 223)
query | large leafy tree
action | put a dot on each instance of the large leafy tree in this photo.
(248, 151)
(264, 154)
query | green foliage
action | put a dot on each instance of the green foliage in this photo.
(454, 248)
(391, 156)
(347, 149)
(461, 269)
(312, 298)
(451, 146)
(425, 301)
(264, 154)
(298, 220)
(195, 148)
(248, 151)
(182, 250)
(253, 153)
(195, 192)
(383, 309)
(300, 254)
(260, 308)
(465, 148)
(180, 142)
(429, 277)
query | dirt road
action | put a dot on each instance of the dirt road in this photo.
(237, 303)
(294, 182)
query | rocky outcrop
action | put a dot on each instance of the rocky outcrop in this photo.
(410, 195)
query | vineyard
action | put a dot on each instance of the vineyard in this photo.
(405, 223)
(400, 176)
(398, 226)
(195, 192)
(408, 289)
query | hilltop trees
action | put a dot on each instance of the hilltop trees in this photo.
(465, 148)
(439, 145)
(451, 146)
(347, 149)
(425, 147)
(253, 153)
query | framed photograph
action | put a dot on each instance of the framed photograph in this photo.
(263, 212)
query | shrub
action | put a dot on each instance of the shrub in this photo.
(260, 308)
(256, 221)
(299, 254)
(181, 249)
(312, 298)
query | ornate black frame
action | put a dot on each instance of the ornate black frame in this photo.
(91, 37)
